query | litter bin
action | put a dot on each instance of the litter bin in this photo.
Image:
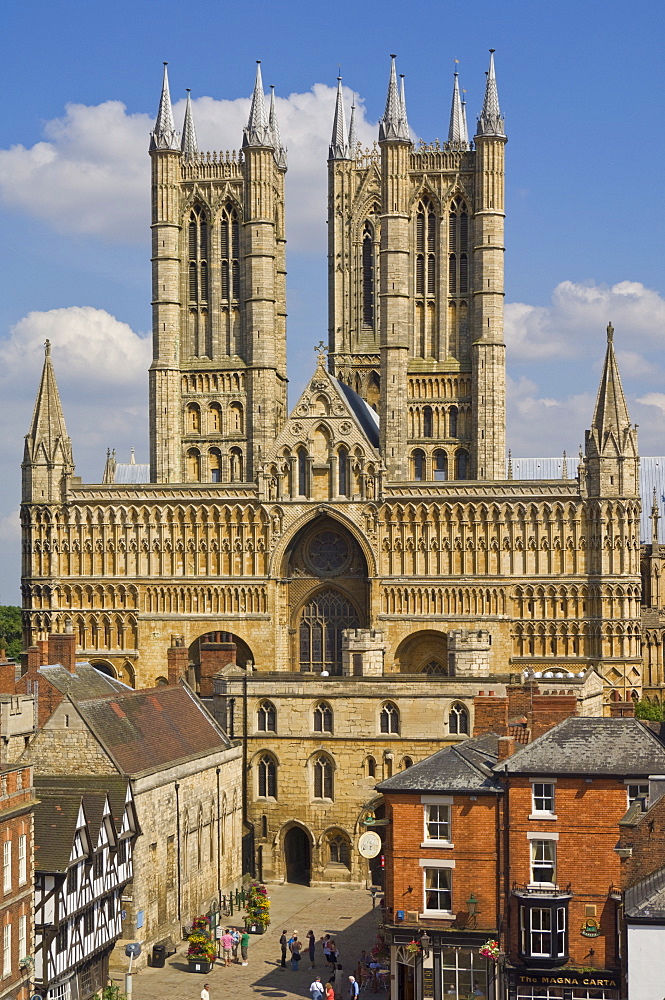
(158, 956)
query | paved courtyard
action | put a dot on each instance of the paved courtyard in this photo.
(346, 914)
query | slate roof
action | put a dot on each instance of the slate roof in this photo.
(362, 411)
(591, 746)
(57, 809)
(87, 682)
(646, 899)
(465, 767)
(147, 730)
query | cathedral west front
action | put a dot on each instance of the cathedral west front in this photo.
(367, 559)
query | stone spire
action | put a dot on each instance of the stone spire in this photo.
(273, 125)
(339, 148)
(164, 135)
(611, 456)
(490, 120)
(353, 138)
(393, 125)
(611, 413)
(188, 145)
(457, 133)
(47, 456)
(402, 101)
(258, 131)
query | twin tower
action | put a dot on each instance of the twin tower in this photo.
(415, 259)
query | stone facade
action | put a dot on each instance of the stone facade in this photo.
(374, 531)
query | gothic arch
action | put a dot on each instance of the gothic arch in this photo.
(278, 566)
(421, 648)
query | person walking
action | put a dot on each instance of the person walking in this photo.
(244, 945)
(316, 989)
(330, 991)
(283, 943)
(205, 995)
(354, 989)
(311, 947)
(296, 947)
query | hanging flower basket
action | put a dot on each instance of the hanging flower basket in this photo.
(413, 947)
(257, 906)
(490, 950)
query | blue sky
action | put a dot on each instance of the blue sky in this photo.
(581, 87)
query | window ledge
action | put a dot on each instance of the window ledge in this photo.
(437, 843)
(441, 914)
(545, 816)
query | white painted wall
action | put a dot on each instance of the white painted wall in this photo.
(646, 962)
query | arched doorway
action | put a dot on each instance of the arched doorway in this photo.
(425, 651)
(297, 856)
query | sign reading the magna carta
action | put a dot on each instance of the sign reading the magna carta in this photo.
(599, 978)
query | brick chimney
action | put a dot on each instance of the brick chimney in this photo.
(62, 648)
(490, 715)
(548, 710)
(506, 747)
(622, 709)
(177, 658)
(214, 656)
(7, 674)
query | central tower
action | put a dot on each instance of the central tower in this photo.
(416, 286)
(218, 376)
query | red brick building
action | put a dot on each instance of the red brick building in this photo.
(489, 842)
(17, 802)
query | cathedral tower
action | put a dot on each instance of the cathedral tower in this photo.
(218, 376)
(416, 287)
(48, 465)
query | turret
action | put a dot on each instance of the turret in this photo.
(488, 351)
(395, 319)
(611, 457)
(48, 464)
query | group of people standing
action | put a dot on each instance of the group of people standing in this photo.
(229, 940)
(318, 990)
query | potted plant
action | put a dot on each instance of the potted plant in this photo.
(201, 951)
(257, 905)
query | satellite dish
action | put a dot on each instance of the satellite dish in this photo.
(133, 950)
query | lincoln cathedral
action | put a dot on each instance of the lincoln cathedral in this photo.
(345, 579)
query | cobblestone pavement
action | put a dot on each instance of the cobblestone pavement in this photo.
(346, 914)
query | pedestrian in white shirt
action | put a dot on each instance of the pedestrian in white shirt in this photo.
(316, 989)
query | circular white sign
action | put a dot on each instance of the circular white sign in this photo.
(369, 844)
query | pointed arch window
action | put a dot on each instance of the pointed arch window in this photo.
(368, 276)
(338, 849)
(323, 778)
(303, 478)
(322, 622)
(426, 249)
(230, 253)
(389, 718)
(267, 777)
(266, 718)
(343, 471)
(323, 718)
(198, 256)
(458, 720)
(458, 248)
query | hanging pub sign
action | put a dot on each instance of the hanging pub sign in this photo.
(590, 928)
(596, 979)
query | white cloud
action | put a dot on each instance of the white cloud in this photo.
(656, 399)
(572, 325)
(543, 425)
(91, 173)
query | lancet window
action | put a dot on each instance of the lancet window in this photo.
(426, 240)
(368, 277)
(230, 253)
(458, 274)
(198, 256)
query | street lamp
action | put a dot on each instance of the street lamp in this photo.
(474, 909)
(425, 943)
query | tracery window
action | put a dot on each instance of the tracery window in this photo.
(323, 718)
(198, 256)
(458, 248)
(389, 718)
(425, 249)
(267, 775)
(266, 718)
(368, 277)
(322, 622)
(435, 667)
(338, 849)
(458, 720)
(230, 253)
(323, 778)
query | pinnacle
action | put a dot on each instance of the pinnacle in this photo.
(393, 125)
(339, 148)
(164, 135)
(258, 131)
(490, 121)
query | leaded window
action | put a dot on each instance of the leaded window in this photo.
(322, 622)
(389, 718)
(323, 778)
(458, 720)
(267, 772)
(338, 849)
(266, 720)
(323, 718)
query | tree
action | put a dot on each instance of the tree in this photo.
(647, 710)
(11, 629)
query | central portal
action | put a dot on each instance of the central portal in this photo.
(297, 856)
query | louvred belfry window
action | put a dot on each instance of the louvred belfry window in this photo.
(368, 276)
(230, 253)
(198, 256)
(458, 248)
(426, 249)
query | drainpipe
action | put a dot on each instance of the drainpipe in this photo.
(219, 844)
(177, 827)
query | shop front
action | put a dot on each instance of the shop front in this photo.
(563, 984)
(447, 965)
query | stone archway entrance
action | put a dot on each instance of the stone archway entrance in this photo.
(297, 856)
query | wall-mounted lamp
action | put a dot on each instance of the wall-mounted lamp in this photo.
(473, 906)
(425, 943)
